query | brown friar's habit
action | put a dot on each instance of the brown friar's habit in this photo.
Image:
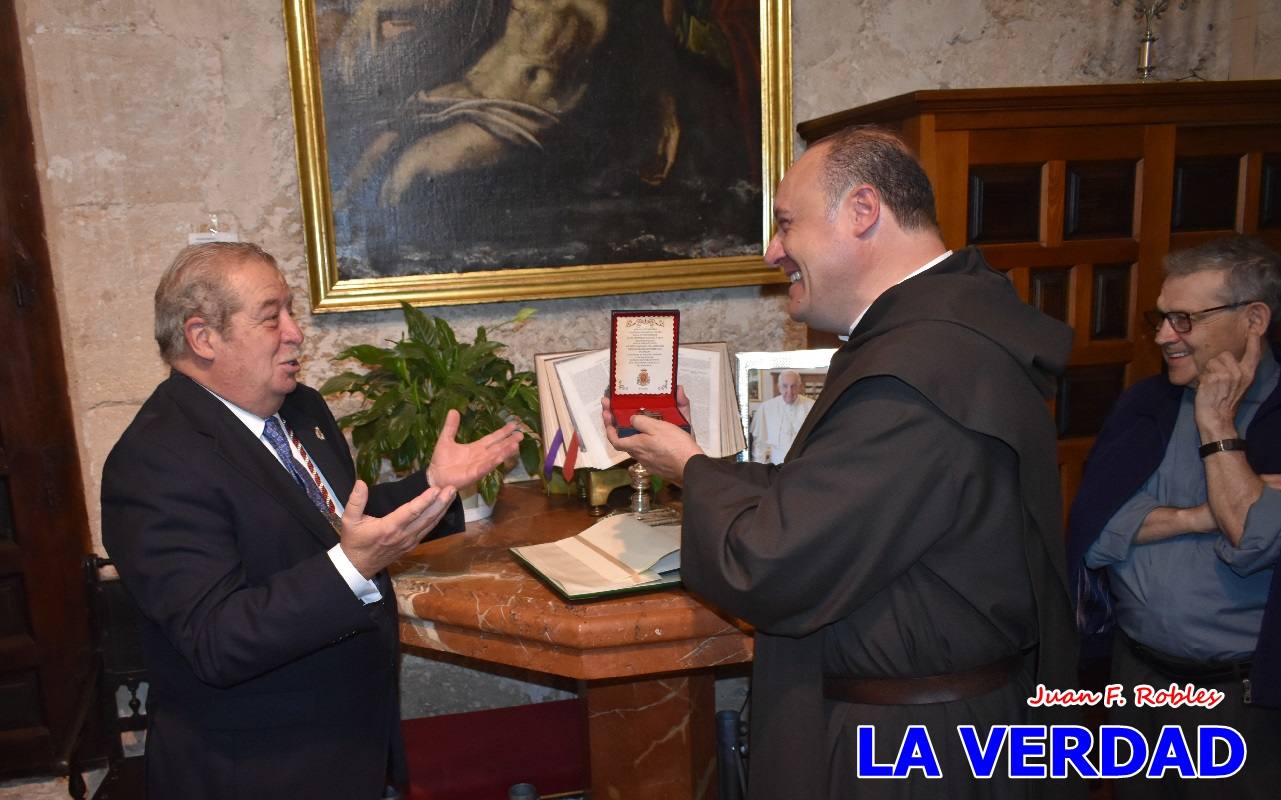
(915, 529)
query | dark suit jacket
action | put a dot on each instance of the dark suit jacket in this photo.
(269, 678)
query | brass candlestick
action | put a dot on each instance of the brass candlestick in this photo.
(641, 488)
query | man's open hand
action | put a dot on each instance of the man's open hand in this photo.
(373, 543)
(460, 465)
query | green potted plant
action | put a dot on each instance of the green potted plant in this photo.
(409, 386)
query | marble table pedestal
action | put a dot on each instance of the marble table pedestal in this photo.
(644, 663)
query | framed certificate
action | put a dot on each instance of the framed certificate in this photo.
(642, 367)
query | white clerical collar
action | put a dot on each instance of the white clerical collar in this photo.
(908, 276)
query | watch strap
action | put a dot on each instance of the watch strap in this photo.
(1210, 448)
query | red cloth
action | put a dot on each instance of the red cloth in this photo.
(482, 753)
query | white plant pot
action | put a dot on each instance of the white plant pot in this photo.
(474, 505)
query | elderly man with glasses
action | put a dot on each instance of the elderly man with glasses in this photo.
(1174, 534)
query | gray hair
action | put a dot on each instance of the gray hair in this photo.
(875, 156)
(1252, 269)
(195, 285)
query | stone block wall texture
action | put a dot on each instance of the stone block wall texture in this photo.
(151, 114)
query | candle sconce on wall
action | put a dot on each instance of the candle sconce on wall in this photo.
(1148, 12)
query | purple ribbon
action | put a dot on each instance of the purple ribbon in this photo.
(550, 462)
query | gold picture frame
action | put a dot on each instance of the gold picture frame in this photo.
(331, 291)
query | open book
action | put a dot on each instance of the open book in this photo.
(571, 385)
(622, 553)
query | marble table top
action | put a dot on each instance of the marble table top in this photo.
(466, 594)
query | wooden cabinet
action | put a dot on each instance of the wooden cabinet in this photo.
(1078, 192)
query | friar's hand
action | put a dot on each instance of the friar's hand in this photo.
(373, 543)
(459, 465)
(682, 405)
(661, 446)
(1220, 386)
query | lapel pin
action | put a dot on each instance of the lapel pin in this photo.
(319, 435)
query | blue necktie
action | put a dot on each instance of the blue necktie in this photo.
(275, 436)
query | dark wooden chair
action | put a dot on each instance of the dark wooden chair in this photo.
(476, 754)
(118, 656)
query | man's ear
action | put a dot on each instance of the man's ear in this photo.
(1258, 317)
(862, 207)
(199, 336)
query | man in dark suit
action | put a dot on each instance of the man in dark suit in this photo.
(269, 624)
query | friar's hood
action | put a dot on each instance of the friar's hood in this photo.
(963, 290)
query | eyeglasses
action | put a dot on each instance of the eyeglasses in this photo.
(1181, 321)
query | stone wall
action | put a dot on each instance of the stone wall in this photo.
(151, 114)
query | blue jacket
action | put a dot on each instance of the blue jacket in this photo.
(1128, 450)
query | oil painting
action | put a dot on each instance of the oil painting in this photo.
(467, 151)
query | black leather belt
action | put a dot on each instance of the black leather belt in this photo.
(1183, 669)
(923, 690)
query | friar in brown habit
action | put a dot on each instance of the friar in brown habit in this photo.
(904, 565)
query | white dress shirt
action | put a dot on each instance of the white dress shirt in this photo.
(360, 586)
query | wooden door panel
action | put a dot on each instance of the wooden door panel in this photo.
(1027, 145)
(44, 645)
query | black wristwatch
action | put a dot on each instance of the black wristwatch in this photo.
(1210, 448)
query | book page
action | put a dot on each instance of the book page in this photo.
(618, 552)
(546, 408)
(732, 438)
(638, 545)
(578, 568)
(584, 380)
(564, 415)
(697, 371)
(552, 405)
